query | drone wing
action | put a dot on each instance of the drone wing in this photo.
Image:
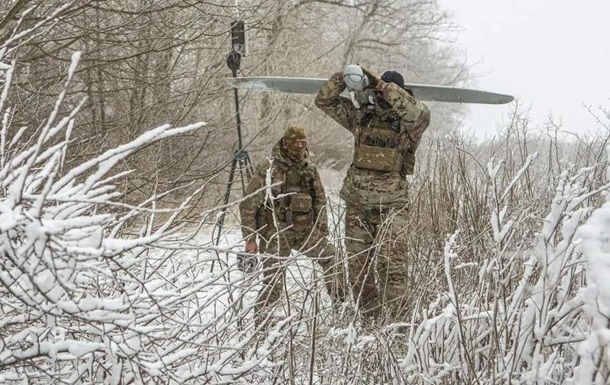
(423, 92)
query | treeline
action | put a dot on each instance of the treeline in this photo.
(146, 63)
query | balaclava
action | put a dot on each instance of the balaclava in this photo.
(294, 143)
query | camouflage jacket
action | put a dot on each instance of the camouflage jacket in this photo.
(366, 186)
(268, 202)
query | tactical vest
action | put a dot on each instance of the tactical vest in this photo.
(380, 146)
(293, 205)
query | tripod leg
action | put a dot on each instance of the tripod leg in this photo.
(249, 167)
(245, 166)
(227, 196)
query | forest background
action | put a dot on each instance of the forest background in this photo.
(111, 272)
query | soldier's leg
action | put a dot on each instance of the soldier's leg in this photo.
(274, 260)
(317, 247)
(359, 243)
(393, 263)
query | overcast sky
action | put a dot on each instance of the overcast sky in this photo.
(554, 55)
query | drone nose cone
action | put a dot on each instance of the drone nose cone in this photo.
(354, 77)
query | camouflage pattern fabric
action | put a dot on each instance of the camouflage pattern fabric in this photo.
(375, 238)
(288, 214)
(277, 250)
(295, 133)
(264, 216)
(370, 186)
(376, 200)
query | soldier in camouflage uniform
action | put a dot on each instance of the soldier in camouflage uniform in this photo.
(292, 215)
(387, 127)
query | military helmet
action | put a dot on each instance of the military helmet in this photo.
(295, 133)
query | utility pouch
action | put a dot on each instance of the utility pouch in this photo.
(378, 150)
(301, 212)
(302, 221)
(300, 203)
(375, 158)
(408, 164)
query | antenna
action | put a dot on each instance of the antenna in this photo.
(241, 159)
(239, 38)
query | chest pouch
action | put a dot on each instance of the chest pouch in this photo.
(300, 211)
(378, 150)
(300, 203)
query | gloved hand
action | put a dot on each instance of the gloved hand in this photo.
(366, 97)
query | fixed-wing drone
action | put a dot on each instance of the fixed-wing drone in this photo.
(424, 92)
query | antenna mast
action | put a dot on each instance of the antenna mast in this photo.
(241, 159)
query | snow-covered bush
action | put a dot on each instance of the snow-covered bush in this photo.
(85, 297)
(96, 291)
(522, 321)
(522, 314)
(594, 351)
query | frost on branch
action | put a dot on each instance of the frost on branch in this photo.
(522, 322)
(79, 304)
(594, 367)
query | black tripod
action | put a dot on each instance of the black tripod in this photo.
(241, 159)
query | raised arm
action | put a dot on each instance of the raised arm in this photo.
(414, 115)
(337, 107)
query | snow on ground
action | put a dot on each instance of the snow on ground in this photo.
(296, 307)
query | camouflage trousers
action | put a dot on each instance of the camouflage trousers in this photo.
(375, 241)
(278, 248)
